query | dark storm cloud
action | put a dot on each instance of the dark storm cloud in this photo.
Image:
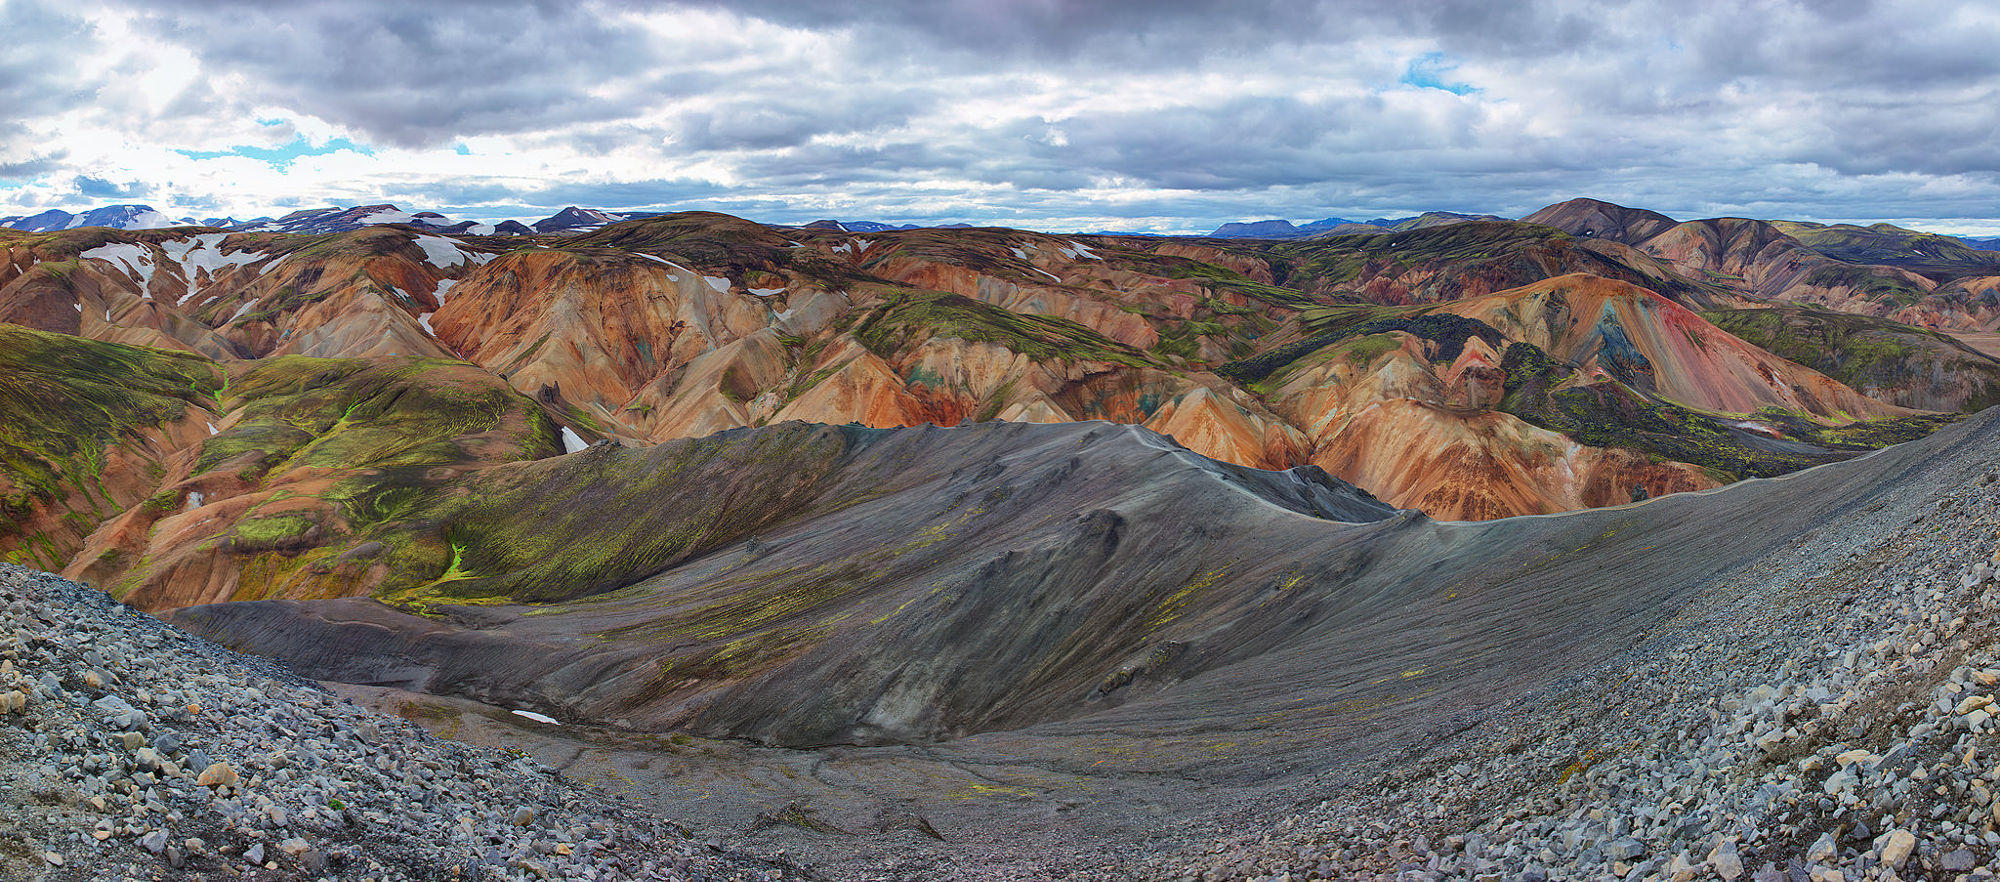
(99, 188)
(414, 73)
(761, 121)
(1110, 108)
(31, 167)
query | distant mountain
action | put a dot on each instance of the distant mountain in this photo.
(1982, 244)
(583, 220)
(1886, 244)
(1265, 229)
(878, 226)
(576, 219)
(121, 217)
(1283, 229)
(1278, 229)
(503, 228)
(1603, 220)
(337, 219)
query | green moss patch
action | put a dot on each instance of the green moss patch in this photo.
(911, 317)
(1892, 361)
(65, 400)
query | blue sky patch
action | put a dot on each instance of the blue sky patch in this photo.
(281, 156)
(1427, 71)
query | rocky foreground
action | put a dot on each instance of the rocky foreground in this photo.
(1828, 714)
(131, 750)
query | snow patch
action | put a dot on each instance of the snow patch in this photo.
(766, 292)
(658, 259)
(443, 286)
(441, 252)
(211, 429)
(240, 312)
(572, 442)
(1082, 250)
(195, 499)
(387, 216)
(720, 285)
(1019, 253)
(539, 718)
(204, 252)
(425, 320)
(137, 260)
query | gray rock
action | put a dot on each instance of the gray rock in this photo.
(1626, 849)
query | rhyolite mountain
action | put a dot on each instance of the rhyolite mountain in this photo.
(1472, 369)
(1914, 278)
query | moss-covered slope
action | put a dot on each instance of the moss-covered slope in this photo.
(1904, 365)
(311, 455)
(83, 426)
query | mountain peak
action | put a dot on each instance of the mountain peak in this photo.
(1599, 219)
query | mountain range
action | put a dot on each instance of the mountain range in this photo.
(1334, 226)
(978, 526)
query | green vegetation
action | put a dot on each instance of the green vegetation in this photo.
(1885, 243)
(1611, 414)
(1462, 259)
(911, 317)
(1892, 361)
(1331, 261)
(1330, 326)
(1868, 283)
(587, 523)
(347, 414)
(64, 401)
(352, 446)
(1219, 278)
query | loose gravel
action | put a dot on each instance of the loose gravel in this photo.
(1828, 715)
(130, 750)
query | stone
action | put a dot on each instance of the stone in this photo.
(155, 842)
(1624, 850)
(1857, 755)
(294, 846)
(1958, 861)
(523, 816)
(218, 775)
(1823, 850)
(255, 853)
(1898, 847)
(1726, 862)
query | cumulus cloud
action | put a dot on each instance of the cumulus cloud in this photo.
(1132, 114)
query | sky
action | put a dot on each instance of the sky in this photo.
(1158, 115)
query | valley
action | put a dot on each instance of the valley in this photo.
(985, 553)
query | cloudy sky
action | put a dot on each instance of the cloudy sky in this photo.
(1166, 115)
